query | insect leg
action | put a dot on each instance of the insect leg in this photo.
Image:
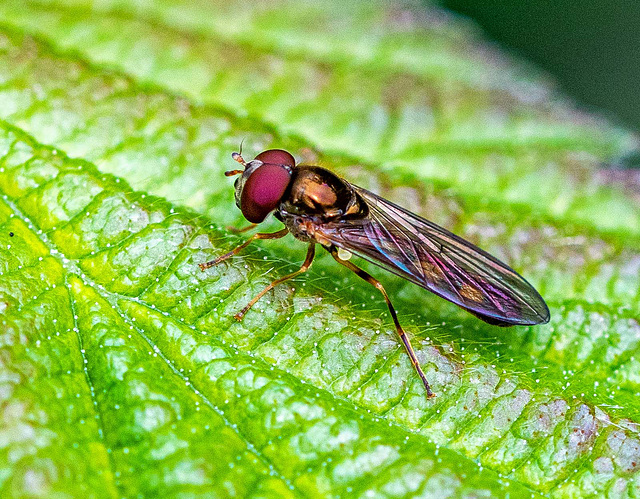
(403, 336)
(235, 251)
(311, 252)
(235, 230)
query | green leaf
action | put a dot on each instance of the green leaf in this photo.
(123, 372)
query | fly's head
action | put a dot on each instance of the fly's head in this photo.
(263, 182)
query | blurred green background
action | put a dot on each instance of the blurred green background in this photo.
(591, 47)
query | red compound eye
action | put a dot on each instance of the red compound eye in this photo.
(277, 157)
(264, 189)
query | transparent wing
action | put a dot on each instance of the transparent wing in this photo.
(434, 258)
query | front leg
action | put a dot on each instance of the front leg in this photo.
(235, 230)
(235, 251)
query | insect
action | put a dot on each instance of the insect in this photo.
(318, 207)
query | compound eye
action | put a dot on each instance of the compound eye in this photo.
(264, 190)
(277, 157)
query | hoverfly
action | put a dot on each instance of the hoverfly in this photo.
(318, 207)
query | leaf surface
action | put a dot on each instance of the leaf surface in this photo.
(124, 373)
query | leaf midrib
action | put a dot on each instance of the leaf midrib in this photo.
(612, 308)
(71, 267)
(235, 117)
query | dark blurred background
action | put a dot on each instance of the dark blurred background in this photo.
(591, 47)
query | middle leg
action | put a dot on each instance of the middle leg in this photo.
(311, 252)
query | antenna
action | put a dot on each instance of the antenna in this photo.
(237, 156)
